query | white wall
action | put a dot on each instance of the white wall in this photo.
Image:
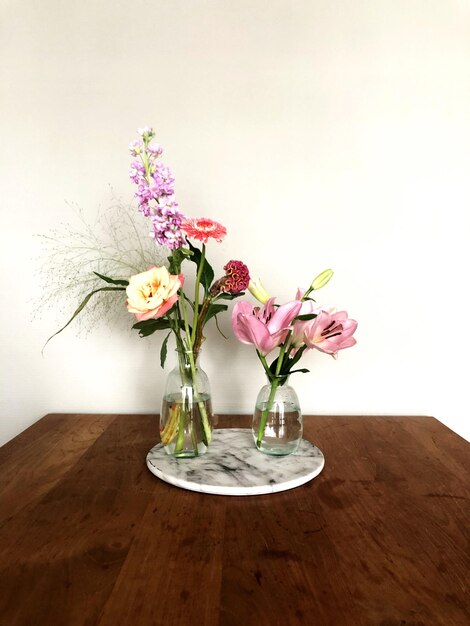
(322, 133)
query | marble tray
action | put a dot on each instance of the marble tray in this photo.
(233, 466)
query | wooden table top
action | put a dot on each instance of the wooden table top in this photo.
(89, 536)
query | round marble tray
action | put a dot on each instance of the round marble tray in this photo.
(234, 467)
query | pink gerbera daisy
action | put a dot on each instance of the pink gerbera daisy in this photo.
(202, 228)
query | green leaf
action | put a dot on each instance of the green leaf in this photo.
(164, 350)
(307, 316)
(176, 258)
(273, 366)
(113, 281)
(229, 296)
(159, 323)
(207, 275)
(296, 357)
(287, 364)
(214, 310)
(148, 327)
(81, 307)
(304, 370)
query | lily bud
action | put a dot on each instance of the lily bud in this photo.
(258, 291)
(322, 279)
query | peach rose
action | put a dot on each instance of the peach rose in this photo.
(152, 293)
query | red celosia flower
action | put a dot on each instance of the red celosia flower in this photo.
(235, 280)
(202, 228)
(237, 277)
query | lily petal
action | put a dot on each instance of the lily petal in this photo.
(284, 315)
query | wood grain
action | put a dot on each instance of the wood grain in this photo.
(88, 536)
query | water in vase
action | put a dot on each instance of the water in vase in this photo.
(283, 431)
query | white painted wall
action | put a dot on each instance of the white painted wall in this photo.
(322, 133)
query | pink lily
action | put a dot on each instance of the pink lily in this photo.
(330, 332)
(266, 328)
(308, 307)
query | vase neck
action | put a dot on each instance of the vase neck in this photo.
(280, 380)
(186, 358)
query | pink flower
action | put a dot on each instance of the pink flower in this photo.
(152, 293)
(308, 308)
(202, 228)
(266, 328)
(330, 332)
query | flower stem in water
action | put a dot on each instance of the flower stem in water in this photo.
(266, 411)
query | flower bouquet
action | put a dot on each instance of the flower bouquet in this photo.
(291, 328)
(158, 300)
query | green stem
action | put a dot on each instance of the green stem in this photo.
(196, 292)
(185, 320)
(274, 385)
(176, 327)
(264, 364)
(282, 353)
(281, 357)
(199, 326)
(266, 411)
(145, 160)
(207, 432)
(180, 436)
(194, 441)
(175, 324)
(275, 381)
(307, 293)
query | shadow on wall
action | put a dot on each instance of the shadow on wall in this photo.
(235, 373)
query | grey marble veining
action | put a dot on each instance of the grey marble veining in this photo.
(233, 466)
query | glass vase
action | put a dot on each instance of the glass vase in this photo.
(277, 419)
(186, 419)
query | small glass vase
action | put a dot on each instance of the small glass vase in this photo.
(186, 419)
(277, 419)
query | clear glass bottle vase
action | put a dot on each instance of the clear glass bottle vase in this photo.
(186, 419)
(277, 419)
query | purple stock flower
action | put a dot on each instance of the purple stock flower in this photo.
(136, 147)
(145, 208)
(166, 223)
(136, 172)
(155, 190)
(143, 191)
(163, 179)
(155, 149)
(146, 132)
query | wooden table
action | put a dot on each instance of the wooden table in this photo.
(89, 536)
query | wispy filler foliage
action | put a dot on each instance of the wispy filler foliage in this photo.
(115, 244)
